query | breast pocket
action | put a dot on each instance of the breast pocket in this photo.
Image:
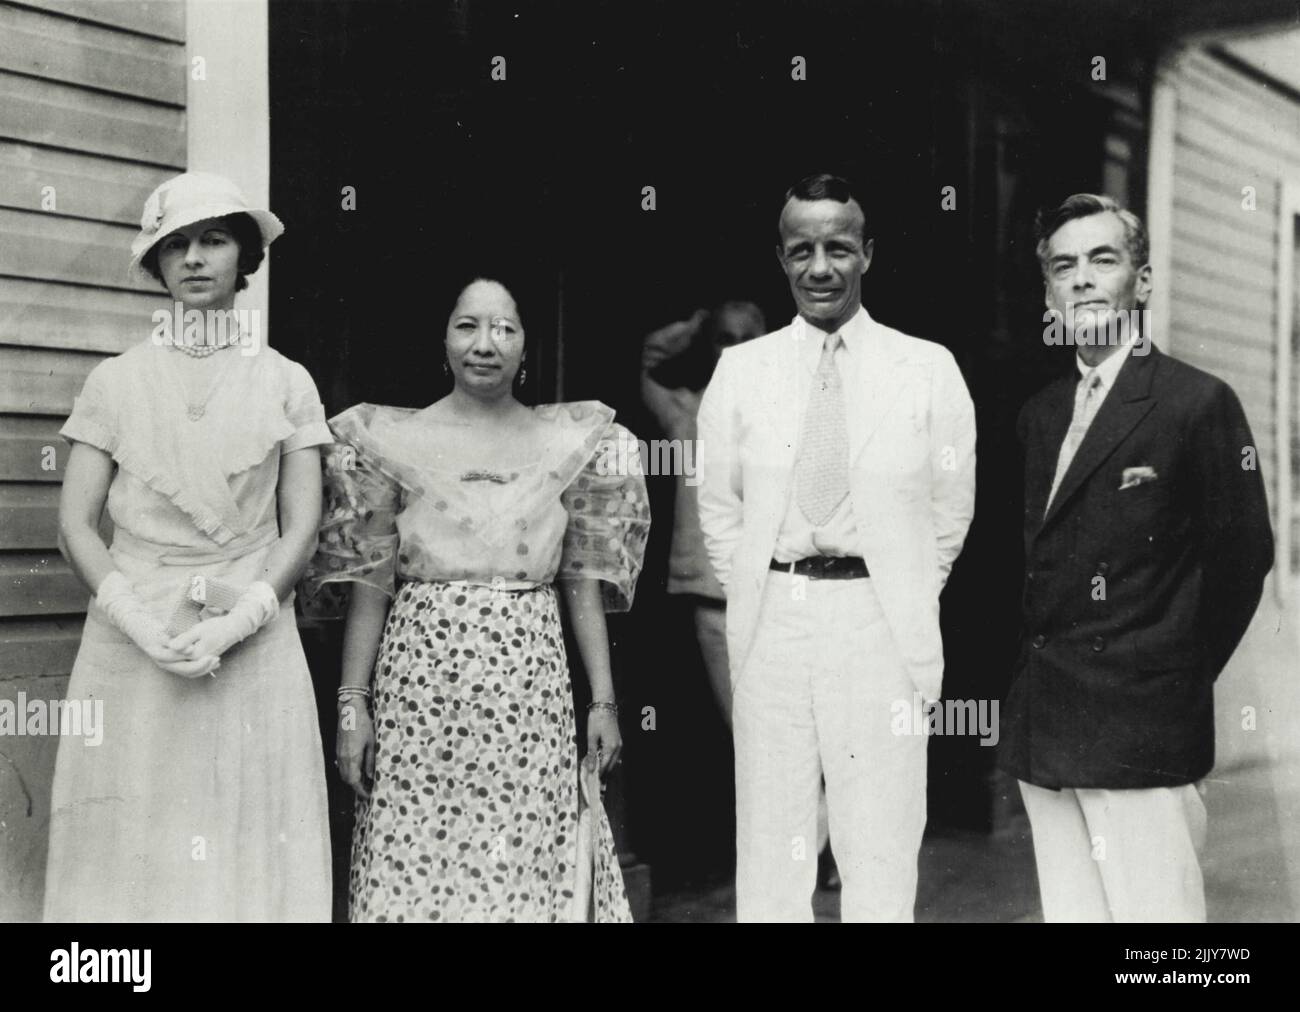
(1143, 513)
(1142, 499)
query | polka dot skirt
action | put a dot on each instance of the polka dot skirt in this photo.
(474, 811)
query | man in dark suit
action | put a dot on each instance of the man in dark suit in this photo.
(1147, 541)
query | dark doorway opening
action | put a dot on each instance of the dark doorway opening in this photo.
(541, 176)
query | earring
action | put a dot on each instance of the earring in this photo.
(521, 376)
(446, 367)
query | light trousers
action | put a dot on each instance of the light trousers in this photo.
(1118, 855)
(815, 698)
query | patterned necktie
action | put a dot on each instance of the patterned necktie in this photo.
(1087, 398)
(822, 470)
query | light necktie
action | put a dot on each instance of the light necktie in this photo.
(822, 470)
(1087, 399)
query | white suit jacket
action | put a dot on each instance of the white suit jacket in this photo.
(911, 476)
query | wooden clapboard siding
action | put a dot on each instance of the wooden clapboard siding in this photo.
(39, 314)
(42, 382)
(62, 249)
(1247, 319)
(1241, 107)
(79, 119)
(1201, 230)
(39, 583)
(38, 648)
(78, 52)
(28, 515)
(81, 186)
(1192, 276)
(163, 19)
(1221, 178)
(1251, 279)
(31, 449)
(92, 118)
(1231, 132)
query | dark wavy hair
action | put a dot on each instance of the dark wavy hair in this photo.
(246, 235)
(825, 186)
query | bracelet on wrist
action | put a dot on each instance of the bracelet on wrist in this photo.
(347, 692)
(603, 704)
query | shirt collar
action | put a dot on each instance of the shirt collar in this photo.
(1110, 367)
(854, 335)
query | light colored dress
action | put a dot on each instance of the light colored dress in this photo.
(473, 814)
(206, 799)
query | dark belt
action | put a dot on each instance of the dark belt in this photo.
(825, 567)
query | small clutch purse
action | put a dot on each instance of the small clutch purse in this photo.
(205, 597)
(582, 909)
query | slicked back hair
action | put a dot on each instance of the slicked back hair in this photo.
(824, 186)
(1084, 205)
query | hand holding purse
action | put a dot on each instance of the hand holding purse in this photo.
(205, 597)
(581, 910)
(216, 633)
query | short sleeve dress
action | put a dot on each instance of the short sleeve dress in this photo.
(474, 811)
(205, 799)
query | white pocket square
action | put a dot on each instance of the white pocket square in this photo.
(1134, 476)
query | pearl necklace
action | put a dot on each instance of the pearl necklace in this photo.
(195, 411)
(200, 350)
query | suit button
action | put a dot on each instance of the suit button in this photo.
(1098, 645)
(1039, 641)
(1030, 576)
(1103, 568)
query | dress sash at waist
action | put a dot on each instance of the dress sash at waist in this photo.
(183, 555)
(495, 583)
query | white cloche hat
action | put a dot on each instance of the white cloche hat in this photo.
(190, 197)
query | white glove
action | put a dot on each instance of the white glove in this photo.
(126, 611)
(256, 606)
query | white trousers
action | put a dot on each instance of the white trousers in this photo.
(1118, 855)
(815, 698)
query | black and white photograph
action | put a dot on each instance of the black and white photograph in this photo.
(473, 462)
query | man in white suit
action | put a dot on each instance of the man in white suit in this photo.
(837, 464)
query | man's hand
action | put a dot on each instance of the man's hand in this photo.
(670, 341)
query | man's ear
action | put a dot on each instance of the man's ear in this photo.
(780, 256)
(1142, 287)
(868, 248)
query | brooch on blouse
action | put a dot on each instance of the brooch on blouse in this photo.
(492, 476)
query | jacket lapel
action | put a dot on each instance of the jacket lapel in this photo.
(1124, 407)
(785, 408)
(872, 388)
(1041, 458)
(793, 364)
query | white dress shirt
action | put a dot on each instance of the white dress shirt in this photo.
(798, 537)
(1086, 407)
(1108, 370)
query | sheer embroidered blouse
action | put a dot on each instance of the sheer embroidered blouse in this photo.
(392, 515)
